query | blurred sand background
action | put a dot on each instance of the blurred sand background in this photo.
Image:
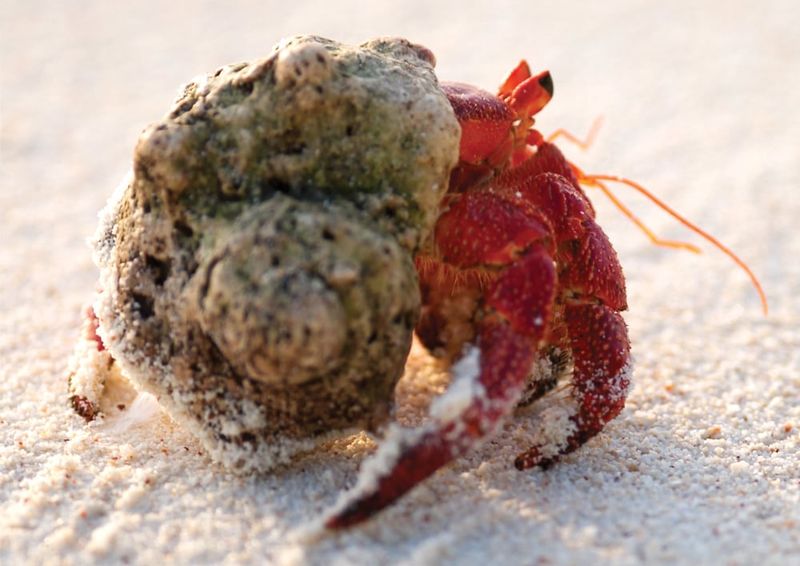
(701, 103)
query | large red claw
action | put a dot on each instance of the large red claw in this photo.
(487, 387)
(495, 129)
(488, 381)
(518, 264)
(531, 95)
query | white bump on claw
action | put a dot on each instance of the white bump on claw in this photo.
(464, 389)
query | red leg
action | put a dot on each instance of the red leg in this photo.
(593, 288)
(587, 262)
(591, 268)
(89, 367)
(554, 197)
(491, 377)
(601, 354)
(547, 159)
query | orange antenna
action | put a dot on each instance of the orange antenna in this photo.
(633, 218)
(596, 179)
(585, 143)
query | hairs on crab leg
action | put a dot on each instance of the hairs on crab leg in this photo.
(601, 354)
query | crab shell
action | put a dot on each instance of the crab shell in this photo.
(256, 267)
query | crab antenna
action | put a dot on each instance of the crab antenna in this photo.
(584, 179)
(585, 143)
(594, 178)
(633, 218)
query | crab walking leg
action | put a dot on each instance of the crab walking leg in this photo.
(593, 290)
(89, 367)
(601, 354)
(517, 305)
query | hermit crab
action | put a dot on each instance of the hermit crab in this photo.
(292, 221)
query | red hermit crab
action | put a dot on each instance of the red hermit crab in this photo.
(517, 269)
(291, 222)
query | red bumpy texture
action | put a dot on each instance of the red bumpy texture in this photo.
(517, 267)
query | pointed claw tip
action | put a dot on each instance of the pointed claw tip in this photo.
(546, 464)
(350, 515)
(334, 522)
(546, 82)
(343, 520)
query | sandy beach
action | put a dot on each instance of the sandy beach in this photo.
(700, 104)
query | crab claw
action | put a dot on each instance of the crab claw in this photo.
(521, 72)
(490, 378)
(531, 95)
(489, 383)
(469, 411)
(495, 128)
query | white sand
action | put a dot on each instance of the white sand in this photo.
(702, 466)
